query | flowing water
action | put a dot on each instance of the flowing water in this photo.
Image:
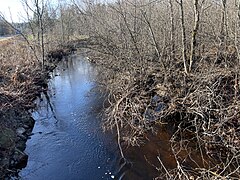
(67, 140)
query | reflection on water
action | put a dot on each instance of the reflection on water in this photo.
(68, 142)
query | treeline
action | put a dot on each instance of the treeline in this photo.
(5, 29)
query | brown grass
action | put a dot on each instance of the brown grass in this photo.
(19, 73)
(22, 79)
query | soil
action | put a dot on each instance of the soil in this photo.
(16, 126)
(16, 122)
(13, 137)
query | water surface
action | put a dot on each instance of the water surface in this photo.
(67, 141)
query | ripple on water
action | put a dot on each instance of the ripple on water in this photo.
(71, 145)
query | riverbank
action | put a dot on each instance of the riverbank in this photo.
(201, 108)
(22, 80)
(174, 63)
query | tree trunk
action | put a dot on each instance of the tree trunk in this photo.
(194, 34)
(172, 32)
(223, 32)
(184, 41)
(156, 46)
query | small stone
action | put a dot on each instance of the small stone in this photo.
(20, 131)
(112, 176)
(98, 167)
(12, 162)
(20, 159)
(21, 145)
(26, 126)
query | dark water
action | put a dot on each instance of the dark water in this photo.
(68, 142)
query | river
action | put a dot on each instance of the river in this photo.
(67, 140)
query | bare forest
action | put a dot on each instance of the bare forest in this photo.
(164, 63)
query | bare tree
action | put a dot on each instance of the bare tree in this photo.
(37, 7)
(172, 31)
(237, 25)
(223, 31)
(194, 34)
(156, 45)
(184, 40)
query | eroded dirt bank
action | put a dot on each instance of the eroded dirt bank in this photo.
(22, 80)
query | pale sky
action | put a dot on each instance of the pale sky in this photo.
(16, 10)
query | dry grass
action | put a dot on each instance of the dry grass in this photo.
(22, 79)
(19, 72)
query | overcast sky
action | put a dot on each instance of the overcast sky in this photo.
(13, 6)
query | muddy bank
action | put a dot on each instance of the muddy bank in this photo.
(13, 137)
(16, 125)
(22, 80)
